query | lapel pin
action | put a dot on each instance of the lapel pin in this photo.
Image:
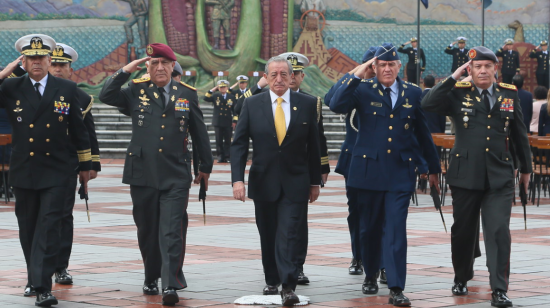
(156, 95)
(175, 88)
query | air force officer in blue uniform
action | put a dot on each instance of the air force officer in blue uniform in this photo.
(393, 141)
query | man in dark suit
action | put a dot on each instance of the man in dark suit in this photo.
(62, 58)
(158, 163)
(436, 122)
(285, 171)
(541, 54)
(510, 61)
(393, 141)
(460, 54)
(222, 117)
(488, 122)
(525, 100)
(42, 109)
(413, 54)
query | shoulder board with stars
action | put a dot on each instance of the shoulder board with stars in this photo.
(186, 85)
(412, 84)
(140, 80)
(507, 86)
(462, 84)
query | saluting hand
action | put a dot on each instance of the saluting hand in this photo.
(262, 83)
(134, 65)
(459, 71)
(364, 67)
(239, 191)
(10, 68)
(453, 43)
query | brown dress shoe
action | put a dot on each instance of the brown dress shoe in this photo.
(289, 298)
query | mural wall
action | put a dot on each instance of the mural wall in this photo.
(238, 36)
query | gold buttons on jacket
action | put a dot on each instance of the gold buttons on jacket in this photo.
(47, 125)
(489, 116)
(489, 127)
(410, 159)
(130, 154)
(47, 154)
(374, 113)
(457, 155)
(162, 127)
(488, 138)
(161, 138)
(31, 126)
(47, 140)
(160, 150)
(389, 139)
(391, 116)
(391, 127)
(31, 140)
(487, 150)
(32, 154)
(364, 156)
(389, 151)
(163, 115)
(141, 110)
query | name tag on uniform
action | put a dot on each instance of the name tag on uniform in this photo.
(468, 111)
(375, 104)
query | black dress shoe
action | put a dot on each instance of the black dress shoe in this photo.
(398, 299)
(288, 297)
(383, 277)
(63, 277)
(151, 288)
(45, 299)
(460, 288)
(271, 290)
(500, 299)
(29, 291)
(355, 267)
(302, 279)
(370, 286)
(170, 297)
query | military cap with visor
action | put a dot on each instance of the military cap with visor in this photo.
(482, 53)
(63, 53)
(298, 60)
(35, 45)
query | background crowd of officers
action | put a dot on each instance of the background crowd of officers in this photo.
(162, 104)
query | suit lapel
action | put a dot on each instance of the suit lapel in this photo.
(47, 98)
(294, 110)
(268, 111)
(29, 92)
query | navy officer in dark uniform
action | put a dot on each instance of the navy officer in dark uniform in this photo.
(158, 163)
(392, 142)
(460, 54)
(222, 117)
(42, 109)
(413, 53)
(489, 122)
(63, 56)
(510, 61)
(541, 54)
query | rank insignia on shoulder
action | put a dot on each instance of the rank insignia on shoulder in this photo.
(463, 84)
(507, 86)
(190, 87)
(140, 80)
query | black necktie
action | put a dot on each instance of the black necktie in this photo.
(36, 87)
(162, 96)
(485, 94)
(388, 91)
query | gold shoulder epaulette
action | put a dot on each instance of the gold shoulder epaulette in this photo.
(190, 87)
(507, 86)
(412, 84)
(140, 80)
(463, 84)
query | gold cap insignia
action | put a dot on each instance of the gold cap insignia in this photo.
(149, 49)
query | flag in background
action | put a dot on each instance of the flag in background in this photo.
(425, 2)
(486, 3)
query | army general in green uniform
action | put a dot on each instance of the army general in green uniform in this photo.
(158, 163)
(488, 123)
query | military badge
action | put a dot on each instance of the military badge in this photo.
(403, 93)
(407, 126)
(472, 53)
(173, 98)
(507, 105)
(467, 104)
(478, 99)
(182, 104)
(142, 91)
(61, 107)
(404, 86)
(140, 123)
(143, 98)
(229, 102)
(156, 94)
(17, 110)
(375, 104)
(381, 94)
(61, 98)
(17, 102)
(61, 118)
(174, 88)
(374, 85)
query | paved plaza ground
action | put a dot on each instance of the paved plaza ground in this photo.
(223, 257)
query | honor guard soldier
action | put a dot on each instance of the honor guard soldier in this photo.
(242, 81)
(510, 61)
(393, 141)
(42, 109)
(63, 56)
(460, 54)
(222, 117)
(489, 122)
(541, 54)
(158, 163)
(412, 53)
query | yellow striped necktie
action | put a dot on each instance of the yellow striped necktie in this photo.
(280, 122)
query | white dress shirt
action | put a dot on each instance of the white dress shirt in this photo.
(42, 82)
(285, 105)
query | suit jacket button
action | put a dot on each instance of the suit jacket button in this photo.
(391, 116)
(160, 150)
(32, 154)
(389, 151)
(487, 150)
(364, 156)
(31, 140)
(163, 115)
(47, 140)
(161, 138)
(47, 154)
(162, 127)
(489, 116)
(31, 126)
(47, 125)
(391, 127)
(489, 127)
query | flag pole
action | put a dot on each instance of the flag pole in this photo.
(418, 44)
(482, 22)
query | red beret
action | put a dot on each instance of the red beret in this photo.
(157, 50)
